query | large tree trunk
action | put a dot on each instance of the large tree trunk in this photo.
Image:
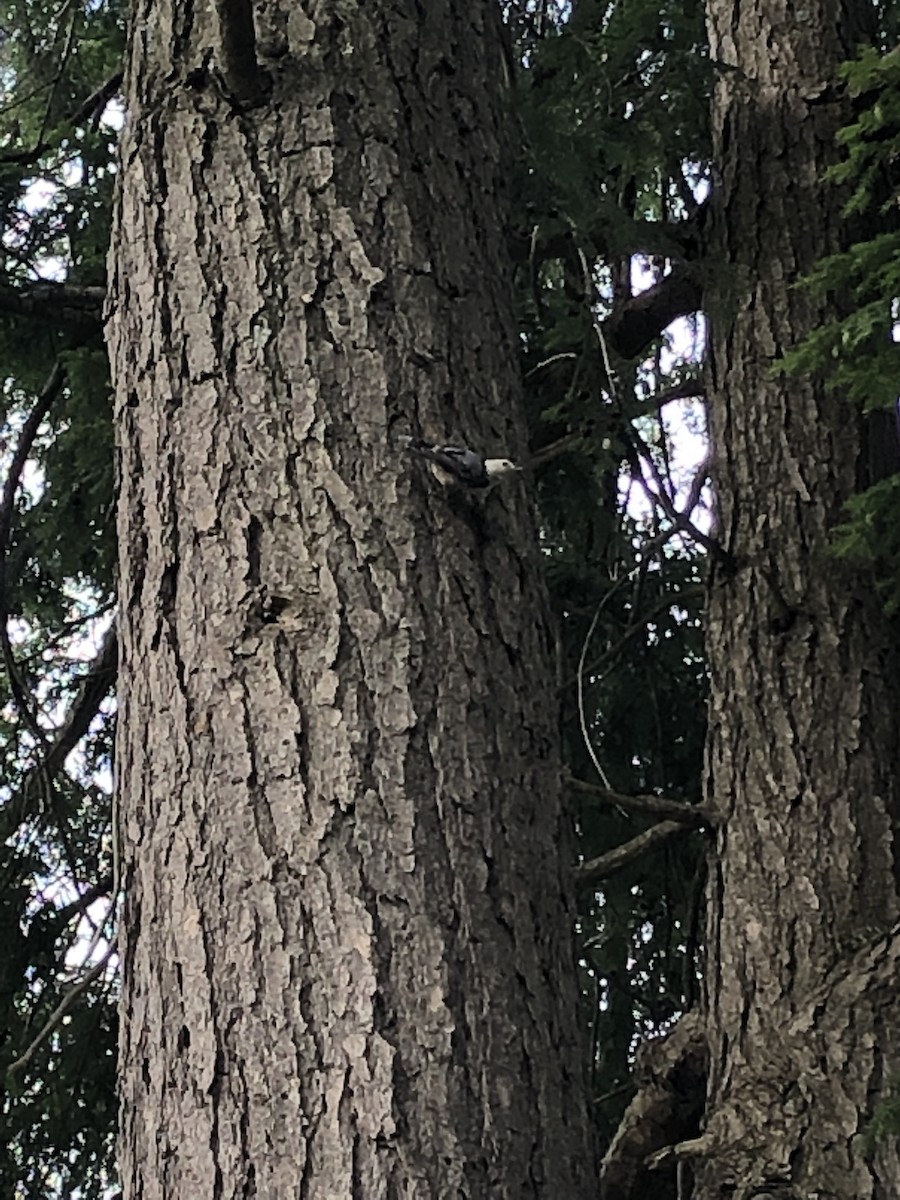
(347, 937)
(803, 753)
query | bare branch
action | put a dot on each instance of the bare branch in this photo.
(601, 666)
(51, 390)
(597, 869)
(58, 918)
(582, 715)
(676, 239)
(563, 356)
(694, 815)
(60, 68)
(65, 630)
(661, 497)
(60, 1011)
(548, 453)
(96, 685)
(61, 305)
(94, 105)
(688, 389)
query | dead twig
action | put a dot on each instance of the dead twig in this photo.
(598, 869)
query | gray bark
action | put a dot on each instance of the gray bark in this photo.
(803, 753)
(347, 934)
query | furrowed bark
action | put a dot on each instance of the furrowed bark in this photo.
(803, 754)
(347, 935)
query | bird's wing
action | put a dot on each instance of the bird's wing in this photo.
(455, 462)
(466, 465)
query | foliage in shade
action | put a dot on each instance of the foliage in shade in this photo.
(613, 109)
(56, 176)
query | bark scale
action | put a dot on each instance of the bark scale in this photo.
(347, 936)
(803, 752)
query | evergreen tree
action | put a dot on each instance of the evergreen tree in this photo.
(57, 549)
(803, 751)
(799, 1017)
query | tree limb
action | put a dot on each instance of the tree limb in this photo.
(696, 816)
(58, 918)
(639, 321)
(93, 106)
(597, 869)
(97, 101)
(678, 239)
(640, 453)
(688, 389)
(602, 665)
(61, 305)
(96, 685)
(548, 453)
(60, 1011)
(671, 1075)
(51, 390)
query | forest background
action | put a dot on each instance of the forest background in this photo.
(609, 183)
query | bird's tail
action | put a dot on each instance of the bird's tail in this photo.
(417, 445)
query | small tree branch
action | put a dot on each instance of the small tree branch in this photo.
(688, 389)
(549, 453)
(92, 107)
(600, 667)
(48, 395)
(677, 239)
(660, 496)
(60, 1011)
(597, 869)
(96, 684)
(58, 918)
(97, 101)
(696, 816)
(51, 390)
(79, 309)
(61, 62)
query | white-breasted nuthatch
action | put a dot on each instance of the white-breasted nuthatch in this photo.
(459, 465)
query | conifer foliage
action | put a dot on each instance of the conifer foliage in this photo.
(60, 68)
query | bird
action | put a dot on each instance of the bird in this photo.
(452, 465)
